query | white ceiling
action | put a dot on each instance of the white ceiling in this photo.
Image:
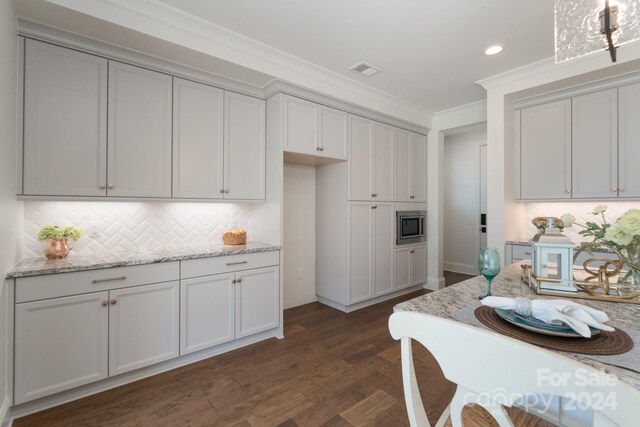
(431, 52)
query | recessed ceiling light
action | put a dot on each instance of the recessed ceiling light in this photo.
(493, 50)
(365, 69)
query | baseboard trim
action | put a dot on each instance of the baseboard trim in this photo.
(457, 267)
(435, 283)
(4, 412)
(367, 303)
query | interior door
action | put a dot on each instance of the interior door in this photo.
(244, 147)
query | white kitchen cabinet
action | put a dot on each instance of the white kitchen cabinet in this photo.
(143, 326)
(545, 151)
(410, 266)
(333, 126)
(244, 147)
(370, 160)
(371, 237)
(360, 248)
(418, 265)
(60, 343)
(65, 122)
(410, 157)
(629, 141)
(198, 118)
(301, 126)
(257, 300)
(314, 130)
(207, 312)
(383, 238)
(382, 155)
(139, 136)
(595, 145)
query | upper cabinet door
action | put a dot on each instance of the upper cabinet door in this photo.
(301, 126)
(198, 117)
(545, 151)
(360, 157)
(139, 132)
(418, 168)
(382, 162)
(629, 142)
(65, 122)
(403, 161)
(333, 126)
(244, 147)
(595, 145)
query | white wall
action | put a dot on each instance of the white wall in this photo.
(9, 208)
(461, 200)
(299, 235)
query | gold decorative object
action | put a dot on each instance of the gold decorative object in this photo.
(57, 248)
(595, 280)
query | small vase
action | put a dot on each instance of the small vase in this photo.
(57, 248)
(629, 278)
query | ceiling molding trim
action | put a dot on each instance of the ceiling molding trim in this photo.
(45, 33)
(167, 23)
(546, 70)
(278, 86)
(464, 115)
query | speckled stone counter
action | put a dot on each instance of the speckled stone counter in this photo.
(39, 266)
(525, 242)
(449, 301)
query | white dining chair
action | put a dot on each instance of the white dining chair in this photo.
(496, 372)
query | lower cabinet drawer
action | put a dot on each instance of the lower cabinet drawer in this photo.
(84, 282)
(228, 264)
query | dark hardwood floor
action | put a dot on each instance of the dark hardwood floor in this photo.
(332, 369)
(451, 277)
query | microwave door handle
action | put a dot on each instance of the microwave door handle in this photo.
(421, 226)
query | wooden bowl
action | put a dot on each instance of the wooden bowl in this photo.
(234, 238)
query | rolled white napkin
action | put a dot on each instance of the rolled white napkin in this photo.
(577, 316)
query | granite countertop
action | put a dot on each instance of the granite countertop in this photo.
(449, 301)
(525, 242)
(38, 266)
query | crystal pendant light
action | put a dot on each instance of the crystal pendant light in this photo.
(583, 27)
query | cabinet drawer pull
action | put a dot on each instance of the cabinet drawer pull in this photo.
(374, 207)
(412, 251)
(114, 301)
(374, 195)
(113, 279)
(236, 263)
(527, 253)
(412, 197)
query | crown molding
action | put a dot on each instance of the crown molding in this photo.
(546, 70)
(464, 115)
(178, 27)
(278, 86)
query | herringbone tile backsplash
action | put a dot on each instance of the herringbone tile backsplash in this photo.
(133, 225)
(581, 210)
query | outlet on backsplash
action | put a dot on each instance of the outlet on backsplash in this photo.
(95, 230)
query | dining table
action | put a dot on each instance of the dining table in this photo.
(452, 301)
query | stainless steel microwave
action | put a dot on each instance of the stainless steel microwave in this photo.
(410, 227)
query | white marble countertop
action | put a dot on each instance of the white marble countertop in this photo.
(39, 266)
(449, 301)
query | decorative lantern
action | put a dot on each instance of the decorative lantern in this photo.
(552, 261)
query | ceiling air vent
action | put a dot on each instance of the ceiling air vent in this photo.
(365, 69)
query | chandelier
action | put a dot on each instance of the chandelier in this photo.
(587, 26)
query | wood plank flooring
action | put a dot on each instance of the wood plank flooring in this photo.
(332, 369)
(451, 277)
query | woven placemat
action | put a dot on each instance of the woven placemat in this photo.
(604, 344)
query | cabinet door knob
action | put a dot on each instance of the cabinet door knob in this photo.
(321, 149)
(226, 190)
(234, 281)
(103, 186)
(105, 303)
(110, 186)
(567, 191)
(621, 189)
(114, 301)
(614, 189)
(317, 148)
(239, 281)
(221, 190)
